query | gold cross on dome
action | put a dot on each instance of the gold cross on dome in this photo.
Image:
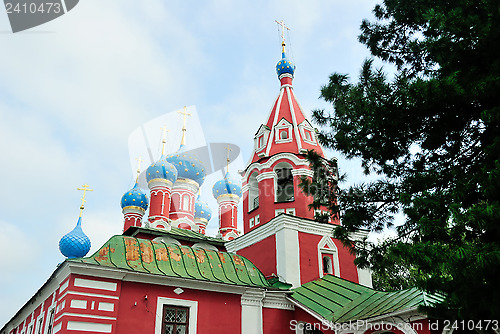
(228, 149)
(85, 188)
(283, 27)
(164, 139)
(184, 113)
(139, 160)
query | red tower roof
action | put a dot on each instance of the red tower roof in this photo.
(286, 128)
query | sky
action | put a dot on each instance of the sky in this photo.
(74, 90)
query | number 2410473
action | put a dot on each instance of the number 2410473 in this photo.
(32, 8)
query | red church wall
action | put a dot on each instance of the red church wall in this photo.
(277, 321)
(137, 314)
(309, 259)
(262, 254)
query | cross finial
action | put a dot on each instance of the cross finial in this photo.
(85, 188)
(228, 149)
(139, 160)
(163, 139)
(283, 27)
(184, 113)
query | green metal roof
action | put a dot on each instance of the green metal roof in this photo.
(339, 300)
(146, 256)
(176, 233)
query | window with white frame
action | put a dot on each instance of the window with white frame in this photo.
(175, 319)
(177, 316)
(307, 132)
(39, 325)
(284, 183)
(278, 211)
(50, 321)
(257, 220)
(283, 131)
(251, 222)
(328, 260)
(290, 211)
(253, 192)
(261, 138)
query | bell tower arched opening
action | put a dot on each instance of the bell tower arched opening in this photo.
(284, 183)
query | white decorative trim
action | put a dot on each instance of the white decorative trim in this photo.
(302, 172)
(87, 295)
(89, 316)
(86, 283)
(251, 312)
(103, 306)
(277, 300)
(193, 312)
(294, 120)
(77, 303)
(265, 176)
(331, 249)
(276, 108)
(294, 160)
(89, 327)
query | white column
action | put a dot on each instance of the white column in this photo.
(251, 312)
(287, 252)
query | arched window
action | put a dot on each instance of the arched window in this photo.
(284, 183)
(327, 264)
(253, 192)
(283, 134)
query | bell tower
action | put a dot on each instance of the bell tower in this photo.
(271, 179)
(281, 235)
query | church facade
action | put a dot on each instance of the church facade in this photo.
(283, 274)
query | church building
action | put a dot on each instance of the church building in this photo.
(284, 273)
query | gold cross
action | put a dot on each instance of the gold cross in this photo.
(85, 188)
(228, 149)
(164, 138)
(283, 27)
(185, 113)
(139, 160)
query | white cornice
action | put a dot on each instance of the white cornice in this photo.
(302, 172)
(266, 175)
(293, 158)
(277, 300)
(133, 276)
(282, 221)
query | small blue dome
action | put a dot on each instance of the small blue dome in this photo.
(75, 243)
(285, 66)
(188, 166)
(135, 197)
(202, 210)
(161, 169)
(228, 185)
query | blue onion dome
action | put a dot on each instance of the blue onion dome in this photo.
(188, 166)
(135, 197)
(228, 185)
(161, 169)
(202, 210)
(285, 65)
(75, 243)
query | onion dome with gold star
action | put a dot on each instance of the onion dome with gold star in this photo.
(228, 185)
(161, 169)
(188, 166)
(202, 210)
(135, 197)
